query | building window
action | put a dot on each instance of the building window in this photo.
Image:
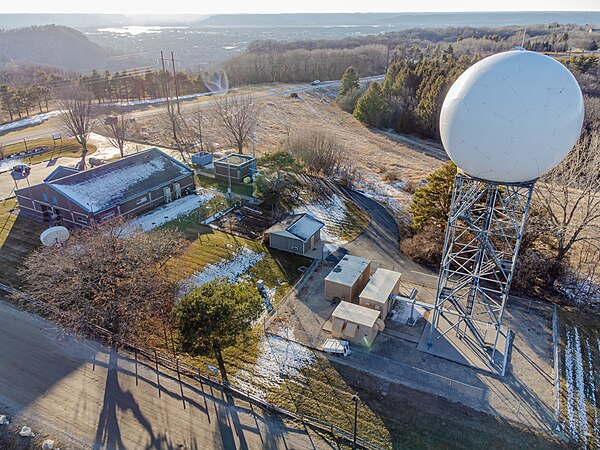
(44, 196)
(293, 247)
(54, 200)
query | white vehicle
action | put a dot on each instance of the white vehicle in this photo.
(336, 347)
(315, 82)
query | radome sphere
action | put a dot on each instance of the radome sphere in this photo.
(512, 117)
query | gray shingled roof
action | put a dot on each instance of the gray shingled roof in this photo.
(302, 226)
(110, 184)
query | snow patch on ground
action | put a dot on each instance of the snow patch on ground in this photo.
(243, 259)
(580, 292)
(152, 101)
(8, 164)
(332, 212)
(580, 385)
(577, 393)
(33, 120)
(401, 313)
(390, 195)
(571, 423)
(591, 385)
(279, 358)
(166, 213)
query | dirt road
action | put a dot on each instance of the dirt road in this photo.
(85, 396)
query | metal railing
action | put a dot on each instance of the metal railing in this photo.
(159, 359)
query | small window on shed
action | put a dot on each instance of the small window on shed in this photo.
(293, 247)
(44, 196)
(54, 199)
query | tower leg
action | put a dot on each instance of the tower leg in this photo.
(483, 236)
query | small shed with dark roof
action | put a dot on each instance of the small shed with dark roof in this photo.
(130, 185)
(297, 233)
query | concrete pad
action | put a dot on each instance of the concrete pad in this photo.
(465, 348)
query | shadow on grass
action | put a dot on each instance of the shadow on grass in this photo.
(420, 420)
(18, 237)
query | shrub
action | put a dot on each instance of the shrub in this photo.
(426, 246)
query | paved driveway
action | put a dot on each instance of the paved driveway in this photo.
(380, 243)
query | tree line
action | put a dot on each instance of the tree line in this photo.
(410, 98)
(302, 65)
(38, 92)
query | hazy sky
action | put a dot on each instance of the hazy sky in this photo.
(279, 6)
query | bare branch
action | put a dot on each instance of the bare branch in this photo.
(77, 116)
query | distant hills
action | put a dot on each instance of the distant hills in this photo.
(399, 20)
(86, 21)
(52, 45)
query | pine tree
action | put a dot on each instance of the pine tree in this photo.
(372, 107)
(349, 81)
(431, 202)
(215, 316)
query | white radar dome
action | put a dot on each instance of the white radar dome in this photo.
(512, 117)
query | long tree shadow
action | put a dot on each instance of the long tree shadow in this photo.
(108, 434)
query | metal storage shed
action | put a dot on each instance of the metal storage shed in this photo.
(376, 294)
(347, 278)
(297, 233)
(355, 323)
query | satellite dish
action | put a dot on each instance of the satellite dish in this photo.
(54, 235)
(512, 117)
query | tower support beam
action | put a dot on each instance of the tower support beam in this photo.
(483, 236)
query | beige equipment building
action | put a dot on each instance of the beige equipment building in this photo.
(347, 278)
(376, 294)
(356, 323)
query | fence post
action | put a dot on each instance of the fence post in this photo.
(157, 374)
(136, 366)
(180, 384)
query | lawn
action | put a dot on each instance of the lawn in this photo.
(354, 223)
(68, 148)
(278, 270)
(209, 246)
(18, 237)
(220, 185)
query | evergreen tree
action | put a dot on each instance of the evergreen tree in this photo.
(431, 202)
(372, 107)
(215, 316)
(349, 81)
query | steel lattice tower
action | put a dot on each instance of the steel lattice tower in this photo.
(483, 236)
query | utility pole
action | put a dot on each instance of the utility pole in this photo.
(176, 82)
(165, 85)
(356, 399)
(387, 59)
(167, 94)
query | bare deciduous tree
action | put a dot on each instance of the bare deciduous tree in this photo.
(103, 278)
(116, 129)
(77, 116)
(238, 114)
(570, 195)
(320, 152)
